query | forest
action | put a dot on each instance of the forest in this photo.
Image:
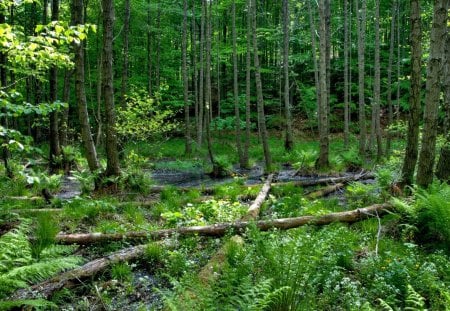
(224, 155)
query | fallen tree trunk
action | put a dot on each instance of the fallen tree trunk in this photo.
(324, 191)
(221, 229)
(35, 210)
(253, 211)
(71, 278)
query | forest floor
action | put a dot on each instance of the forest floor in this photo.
(375, 262)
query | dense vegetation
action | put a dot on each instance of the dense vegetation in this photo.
(224, 155)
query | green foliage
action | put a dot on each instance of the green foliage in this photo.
(359, 194)
(18, 268)
(143, 118)
(122, 272)
(45, 232)
(154, 253)
(306, 160)
(35, 304)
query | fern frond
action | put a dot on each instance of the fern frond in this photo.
(414, 301)
(42, 270)
(55, 251)
(33, 303)
(384, 305)
(15, 247)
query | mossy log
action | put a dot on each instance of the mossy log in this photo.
(325, 191)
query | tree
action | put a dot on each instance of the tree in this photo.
(55, 148)
(126, 33)
(80, 91)
(412, 140)
(201, 103)
(248, 64)
(289, 142)
(259, 94)
(389, 75)
(187, 132)
(346, 76)
(322, 161)
(361, 28)
(112, 155)
(242, 161)
(438, 35)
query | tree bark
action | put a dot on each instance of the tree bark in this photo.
(325, 191)
(55, 148)
(289, 141)
(346, 74)
(80, 91)
(237, 116)
(322, 161)
(377, 84)
(412, 140)
(248, 64)
(389, 75)
(187, 131)
(438, 36)
(158, 45)
(149, 52)
(221, 229)
(259, 94)
(112, 156)
(443, 165)
(201, 103)
(125, 65)
(361, 27)
(314, 57)
(253, 211)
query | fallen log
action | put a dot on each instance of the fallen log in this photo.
(324, 191)
(221, 229)
(73, 277)
(253, 211)
(34, 210)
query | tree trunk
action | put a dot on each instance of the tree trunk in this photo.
(322, 161)
(253, 211)
(158, 45)
(112, 155)
(399, 59)
(64, 120)
(259, 94)
(314, 57)
(443, 165)
(289, 141)
(187, 131)
(80, 91)
(412, 140)
(361, 27)
(125, 65)
(149, 52)
(201, 103)
(242, 163)
(194, 62)
(55, 148)
(248, 64)
(377, 83)
(346, 72)
(389, 75)
(438, 36)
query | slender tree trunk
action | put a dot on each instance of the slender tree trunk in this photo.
(112, 155)
(399, 59)
(443, 165)
(55, 148)
(377, 84)
(389, 76)
(328, 60)
(158, 45)
(149, 52)
(64, 121)
(80, 92)
(126, 34)
(289, 141)
(346, 83)
(314, 56)
(236, 88)
(194, 62)
(361, 22)
(187, 121)
(438, 36)
(248, 64)
(201, 103)
(412, 140)
(322, 161)
(259, 94)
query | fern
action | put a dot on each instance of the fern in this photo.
(414, 301)
(15, 247)
(32, 303)
(384, 305)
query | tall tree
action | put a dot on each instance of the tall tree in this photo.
(237, 116)
(80, 91)
(149, 51)
(389, 74)
(187, 121)
(259, 94)
(438, 35)
(248, 64)
(412, 140)
(314, 56)
(443, 165)
(55, 148)
(125, 52)
(289, 141)
(361, 27)
(201, 103)
(346, 75)
(112, 155)
(322, 161)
